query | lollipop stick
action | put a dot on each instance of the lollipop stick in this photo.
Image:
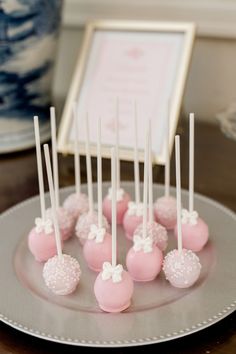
(54, 155)
(191, 161)
(88, 166)
(178, 191)
(167, 151)
(99, 175)
(136, 158)
(150, 181)
(145, 185)
(53, 201)
(39, 166)
(113, 211)
(76, 152)
(117, 144)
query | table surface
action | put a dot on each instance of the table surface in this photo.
(215, 175)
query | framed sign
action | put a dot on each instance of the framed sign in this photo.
(142, 62)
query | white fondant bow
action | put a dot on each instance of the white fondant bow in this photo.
(141, 243)
(135, 209)
(189, 217)
(110, 272)
(119, 194)
(43, 225)
(96, 233)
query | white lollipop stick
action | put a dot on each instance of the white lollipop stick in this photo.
(88, 167)
(117, 145)
(136, 157)
(145, 185)
(39, 166)
(53, 201)
(113, 210)
(99, 174)
(178, 191)
(191, 162)
(76, 152)
(150, 181)
(54, 155)
(167, 151)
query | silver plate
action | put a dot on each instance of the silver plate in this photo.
(158, 312)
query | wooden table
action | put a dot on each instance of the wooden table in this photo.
(215, 176)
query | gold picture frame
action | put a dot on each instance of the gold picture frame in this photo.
(181, 34)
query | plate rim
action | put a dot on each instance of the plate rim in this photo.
(226, 311)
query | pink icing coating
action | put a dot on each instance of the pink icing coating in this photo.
(76, 204)
(122, 207)
(62, 275)
(66, 222)
(42, 245)
(194, 237)
(165, 211)
(182, 269)
(143, 266)
(130, 223)
(114, 297)
(83, 224)
(155, 231)
(96, 253)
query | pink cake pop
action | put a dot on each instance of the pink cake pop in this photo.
(195, 231)
(65, 219)
(76, 203)
(122, 197)
(144, 259)
(82, 228)
(62, 272)
(181, 267)
(134, 215)
(41, 239)
(165, 207)
(98, 247)
(113, 286)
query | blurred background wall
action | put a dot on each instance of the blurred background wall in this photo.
(211, 85)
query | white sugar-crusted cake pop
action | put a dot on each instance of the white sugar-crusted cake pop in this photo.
(98, 247)
(61, 273)
(122, 197)
(76, 203)
(165, 208)
(65, 219)
(86, 220)
(181, 267)
(41, 239)
(195, 231)
(134, 215)
(113, 287)
(144, 259)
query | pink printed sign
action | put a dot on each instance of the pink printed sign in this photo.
(131, 66)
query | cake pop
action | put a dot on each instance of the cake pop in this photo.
(134, 215)
(65, 219)
(122, 197)
(76, 203)
(144, 259)
(98, 247)
(195, 231)
(165, 207)
(181, 267)
(82, 228)
(155, 231)
(41, 239)
(113, 286)
(61, 273)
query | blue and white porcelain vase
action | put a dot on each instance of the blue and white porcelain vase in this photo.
(28, 38)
